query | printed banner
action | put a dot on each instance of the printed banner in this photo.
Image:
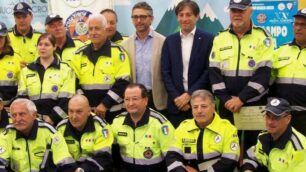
(276, 16)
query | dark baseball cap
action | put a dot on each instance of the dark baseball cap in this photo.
(301, 13)
(52, 17)
(240, 4)
(22, 7)
(3, 29)
(277, 106)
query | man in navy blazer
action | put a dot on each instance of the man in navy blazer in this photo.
(184, 61)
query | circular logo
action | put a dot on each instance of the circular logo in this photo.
(234, 146)
(81, 28)
(148, 154)
(281, 6)
(252, 63)
(261, 18)
(76, 24)
(303, 11)
(218, 139)
(10, 75)
(275, 102)
(267, 42)
(54, 88)
(237, 1)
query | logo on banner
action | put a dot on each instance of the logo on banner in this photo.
(289, 6)
(76, 24)
(77, 3)
(261, 18)
(281, 6)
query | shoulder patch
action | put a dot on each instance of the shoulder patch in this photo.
(46, 125)
(102, 122)
(158, 116)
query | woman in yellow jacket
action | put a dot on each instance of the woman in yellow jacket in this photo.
(48, 82)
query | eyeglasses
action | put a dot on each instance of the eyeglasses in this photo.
(141, 17)
(302, 25)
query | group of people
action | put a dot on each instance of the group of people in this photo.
(147, 102)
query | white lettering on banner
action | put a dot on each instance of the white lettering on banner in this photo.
(37, 9)
(263, 7)
(277, 30)
(40, 9)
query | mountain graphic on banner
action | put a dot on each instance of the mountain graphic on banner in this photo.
(207, 22)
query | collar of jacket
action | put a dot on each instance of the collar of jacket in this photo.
(29, 34)
(105, 50)
(293, 43)
(69, 42)
(89, 127)
(117, 37)
(213, 126)
(32, 135)
(143, 121)
(268, 144)
(247, 32)
(55, 64)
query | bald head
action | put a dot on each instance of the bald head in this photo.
(79, 98)
(78, 111)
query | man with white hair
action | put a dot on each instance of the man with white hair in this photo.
(24, 145)
(102, 69)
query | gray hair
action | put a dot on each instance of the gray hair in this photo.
(204, 94)
(28, 103)
(143, 5)
(98, 17)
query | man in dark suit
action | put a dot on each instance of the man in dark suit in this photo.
(184, 61)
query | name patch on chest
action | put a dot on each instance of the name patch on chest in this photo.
(122, 133)
(186, 140)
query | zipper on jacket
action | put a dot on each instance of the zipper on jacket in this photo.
(134, 145)
(238, 62)
(41, 86)
(29, 157)
(298, 56)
